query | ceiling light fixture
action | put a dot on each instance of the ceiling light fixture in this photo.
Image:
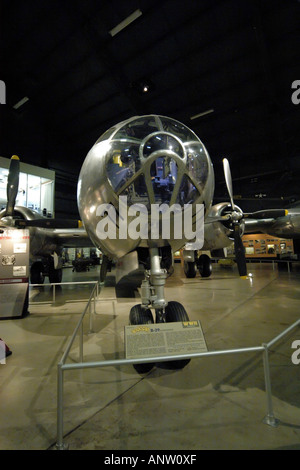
(143, 86)
(202, 114)
(136, 14)
(21, 102)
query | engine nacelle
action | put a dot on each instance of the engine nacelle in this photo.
(219, 234)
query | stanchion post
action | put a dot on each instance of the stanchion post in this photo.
(269, 418)
(60, 420)
(81, 342)
(91, 314)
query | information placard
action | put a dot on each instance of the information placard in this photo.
(164, 339)
(14, 272)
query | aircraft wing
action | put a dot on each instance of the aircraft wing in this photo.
(71, 238)
(256, 225)
(287, 226)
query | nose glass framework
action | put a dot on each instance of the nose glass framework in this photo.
(155, 159)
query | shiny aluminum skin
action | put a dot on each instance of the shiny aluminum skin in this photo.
(140, 158)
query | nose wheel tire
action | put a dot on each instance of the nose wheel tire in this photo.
(175, 312)
(140, 316)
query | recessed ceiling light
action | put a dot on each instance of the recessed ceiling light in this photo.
(136, 14)
(21, 102)
(202, 114)
(143, 85)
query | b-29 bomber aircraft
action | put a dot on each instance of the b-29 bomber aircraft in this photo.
(143, 162)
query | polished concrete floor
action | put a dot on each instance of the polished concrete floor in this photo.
(213, 403)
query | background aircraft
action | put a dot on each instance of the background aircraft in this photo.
(48, 237)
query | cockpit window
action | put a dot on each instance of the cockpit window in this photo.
(106, 135)
(136, 192)
(178, 129)
(163, 173)
(197, 163)
(177, 151)
(162, 142)
(137, 129)
(123, 163)
(187, 193)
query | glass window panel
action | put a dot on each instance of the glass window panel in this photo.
(137, 192)
(47, 196)
(123, 163)
(197, 163)
(137, 129)
(175, 127)
(3, 184)
(187, 193)
(34, 193)
(162, 142)
(22, 192)
(163, 176)
(106, 135)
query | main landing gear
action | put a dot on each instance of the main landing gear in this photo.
(203, 263)
(152, 293)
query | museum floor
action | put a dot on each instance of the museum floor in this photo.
(213, 403)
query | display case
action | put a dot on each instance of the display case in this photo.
(36, 187)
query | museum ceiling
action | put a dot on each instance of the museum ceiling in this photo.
(224, 68)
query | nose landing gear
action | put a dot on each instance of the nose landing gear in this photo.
(152, 293)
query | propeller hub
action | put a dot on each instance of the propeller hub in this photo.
(236, 216)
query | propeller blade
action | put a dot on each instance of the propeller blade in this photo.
(267, 214)
(49, 223)
(228, 180)
(12, 184)
(239, 252)
(238, 243)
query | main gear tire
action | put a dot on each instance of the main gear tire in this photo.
(204, 266)
(189, 269)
